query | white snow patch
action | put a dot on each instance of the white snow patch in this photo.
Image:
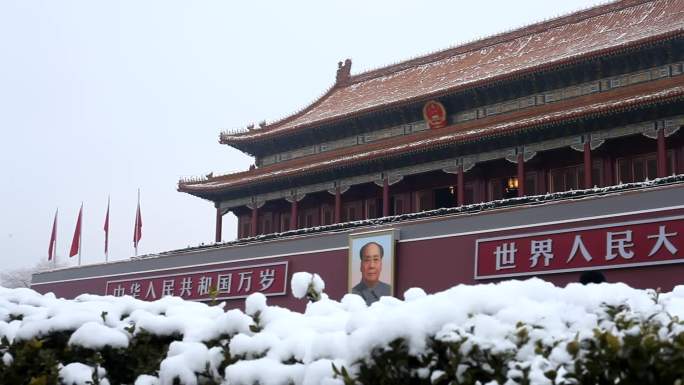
(184, 361)
(255, 303)
(264, 371)
(94, 335)
(414, 293)
(302, 281)
(318, 283)
(146, 379)
(77, 373)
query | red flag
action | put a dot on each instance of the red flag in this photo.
(137, 230)
(53, 239)
(76, 242)
(106, 230)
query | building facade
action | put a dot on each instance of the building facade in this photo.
(547, 150)
(590, 99)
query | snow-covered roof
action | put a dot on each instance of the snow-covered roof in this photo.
(597, 31)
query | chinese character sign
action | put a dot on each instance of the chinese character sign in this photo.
(635, 243)
(236, 282)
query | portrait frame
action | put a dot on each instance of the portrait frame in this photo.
(388, 240)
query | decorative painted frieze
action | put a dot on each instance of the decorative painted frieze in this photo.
(452, 165)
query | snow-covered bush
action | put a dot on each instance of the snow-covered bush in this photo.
(307, 285)
(515, 332)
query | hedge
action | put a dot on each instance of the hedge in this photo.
(514, 332)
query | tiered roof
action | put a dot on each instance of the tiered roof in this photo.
(598, 31)
(591, 106)
(603, 30)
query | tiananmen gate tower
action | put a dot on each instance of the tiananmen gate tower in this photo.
(545, 151)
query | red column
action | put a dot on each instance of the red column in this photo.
(385, 198)
(219, 224)
(460, 187)
(521, 175)
(293, 214)
(662, 154)
(255, 216)
(587, 165)
(338, 205)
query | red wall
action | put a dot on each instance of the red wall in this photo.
(432, 264)
(327, 264)
(451, 261)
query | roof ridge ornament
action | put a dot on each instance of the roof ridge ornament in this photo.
(343, 73)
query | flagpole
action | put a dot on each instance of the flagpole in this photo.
(136, 224)
(54, 257)
(80, 237)
(107, 233)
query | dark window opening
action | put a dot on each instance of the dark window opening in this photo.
(470, 193)
(285, 222)
(503, 188)
(327, 216)
(497, 189)
(423, 200)
(398, 206)
(246, 227)
(401, 203)
(371, 208)
(641, 168)
(572, 178)
(352, 211)
(445, 197)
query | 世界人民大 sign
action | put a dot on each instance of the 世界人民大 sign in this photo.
(227, 283)
(625, 244)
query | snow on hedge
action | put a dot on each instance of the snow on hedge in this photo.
(77, 373)
(271, 345)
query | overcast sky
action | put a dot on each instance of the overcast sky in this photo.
(101, 98)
